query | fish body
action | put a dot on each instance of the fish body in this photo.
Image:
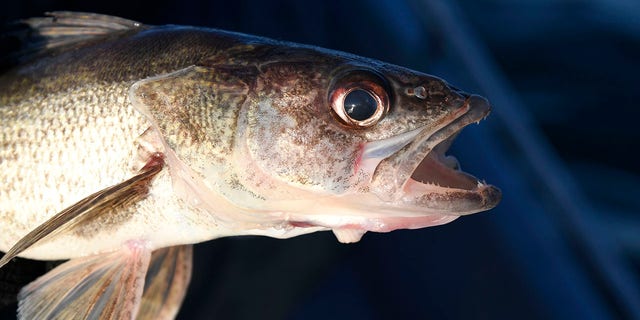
(71, 130)
(122, 144)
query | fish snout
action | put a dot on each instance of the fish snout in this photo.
(479, 107)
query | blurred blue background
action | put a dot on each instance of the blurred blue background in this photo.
(561, 143)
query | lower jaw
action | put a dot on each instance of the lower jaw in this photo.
(378, 223)
(432, 171)
(398, 223)
(433, 199)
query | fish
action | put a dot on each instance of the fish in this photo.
(123, 144)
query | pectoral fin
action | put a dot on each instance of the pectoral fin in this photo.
(166, 283)
(90, 207)
(105, 286)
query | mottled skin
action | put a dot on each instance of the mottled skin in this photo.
(251, 142)
(69, 130)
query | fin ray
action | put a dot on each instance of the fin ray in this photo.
(104, 286)
(85, 209)
(24, 39)
(166, 282)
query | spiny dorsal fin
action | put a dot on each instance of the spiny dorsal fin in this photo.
(91, 206)
(63, 27)
(22, 40)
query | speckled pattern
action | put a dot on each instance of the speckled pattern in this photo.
(53, 149)
(69, 129)
(247, 129)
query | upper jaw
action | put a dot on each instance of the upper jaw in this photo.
(421, 179)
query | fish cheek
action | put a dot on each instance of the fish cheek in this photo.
(290, 143)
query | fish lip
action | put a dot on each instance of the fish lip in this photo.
(405, 175)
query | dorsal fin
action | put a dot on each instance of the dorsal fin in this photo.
(24, 39)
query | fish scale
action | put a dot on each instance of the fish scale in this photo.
(123, 144)
(58, 163)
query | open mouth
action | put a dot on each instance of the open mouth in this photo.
(441, 170)
(422, 176)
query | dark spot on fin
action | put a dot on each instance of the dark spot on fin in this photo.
(120, 194)
(166, 282)
(103, 286)
(24, 39)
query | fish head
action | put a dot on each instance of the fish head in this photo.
(357, 145)
(327, 140)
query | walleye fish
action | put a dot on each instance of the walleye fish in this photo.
(122, 144)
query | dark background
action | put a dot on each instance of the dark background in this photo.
(561, 143)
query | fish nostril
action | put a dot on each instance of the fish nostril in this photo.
(455, 90)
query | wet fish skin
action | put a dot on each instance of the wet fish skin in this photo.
(90, 84)
(250, 142)
(70, 119)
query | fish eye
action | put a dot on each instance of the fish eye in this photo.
(360, 105)
(360, 98)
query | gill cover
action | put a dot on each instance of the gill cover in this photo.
(195, 110)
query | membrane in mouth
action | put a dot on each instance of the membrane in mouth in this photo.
(442, 170)
(417, 172)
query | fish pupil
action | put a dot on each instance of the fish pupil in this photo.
(360, 105)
